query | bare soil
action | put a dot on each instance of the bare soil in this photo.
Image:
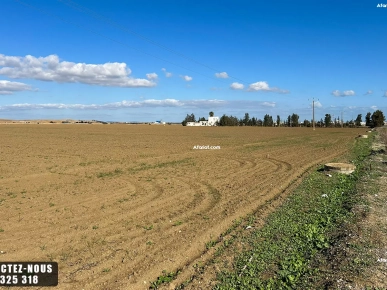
(115, 205)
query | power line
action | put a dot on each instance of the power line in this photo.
(102, 18)
(111, 39)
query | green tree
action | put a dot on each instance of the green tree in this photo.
(328, 120)
(188, 118)
(368, 119)
(358, 120)
(306, 123)
(378, 118)
(228, 121)
(289, 121)
(337, 122)
(202, 119)
(267, 120)
(223, 120)
(278, 120)
(271, 123)
(234, 121)
(294, 119)
(211, 114)
(246, 119)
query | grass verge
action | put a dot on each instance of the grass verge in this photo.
(282, 254)
(356, 258)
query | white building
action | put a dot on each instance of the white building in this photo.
(211, 122)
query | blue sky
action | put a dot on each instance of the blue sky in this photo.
(150, 60)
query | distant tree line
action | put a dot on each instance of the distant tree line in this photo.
(267, 121)
(375, 120)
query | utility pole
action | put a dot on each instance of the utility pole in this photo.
(314, 127)
(314, 123)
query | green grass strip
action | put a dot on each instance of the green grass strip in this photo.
(278, 255)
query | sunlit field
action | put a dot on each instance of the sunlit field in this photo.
(115, 205)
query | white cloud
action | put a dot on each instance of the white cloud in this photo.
(349, 93)
(268, 104)
(317, 104)
(337, 93)
(259, 86)
(264, 86)
(50, 68)
(8, 87)
(222, 75)
(374, 108)
(152, 76)
(369, 92)
(204, 103)
(167, 74)
(120, 105)
(385, 94)
(187, 78)
(236, 86)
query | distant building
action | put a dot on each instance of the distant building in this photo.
(212, 121)
(159, 123)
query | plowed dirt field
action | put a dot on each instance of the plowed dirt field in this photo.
(115, 205)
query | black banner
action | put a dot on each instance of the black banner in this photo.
(28, 274)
